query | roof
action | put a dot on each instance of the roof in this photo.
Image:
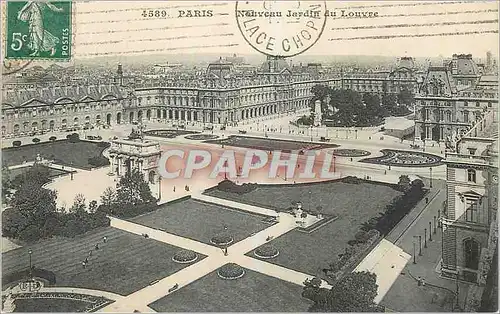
(60, 94)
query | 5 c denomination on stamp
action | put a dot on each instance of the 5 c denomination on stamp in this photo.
(38, 30)
(281, 28)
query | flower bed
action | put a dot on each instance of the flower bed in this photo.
(185, 257)
(231, 271)
(201, 137)
(351, 152)
(405, 159)
(168, 133)
(222, 239)
(266, 252)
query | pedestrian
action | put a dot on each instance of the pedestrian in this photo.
(84, 264)
(86, 260)
(174, 188)
(90, 253)
(225, 251)
(97, 246)
(105, 239)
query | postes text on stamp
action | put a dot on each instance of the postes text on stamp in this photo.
(281, 28)
(38, 30)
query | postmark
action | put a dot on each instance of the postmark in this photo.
(38, 30)
(281, 28)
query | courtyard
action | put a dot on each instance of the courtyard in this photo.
(254, 292)
(268, 144)
(124, 264)
(202, 221)
(62, 152)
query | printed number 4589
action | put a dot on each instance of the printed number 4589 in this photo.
(17, 41)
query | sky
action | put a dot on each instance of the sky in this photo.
(407, 28)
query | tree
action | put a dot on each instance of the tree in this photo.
(34, 202)
(36, 140)
(30, 234)
(404, 183)
(92, 206)
(16, 143)
(13, 222)
(132, 189)
(52, 138)
(79, 205)
(108, 197)
(353, 293)
(417, 185)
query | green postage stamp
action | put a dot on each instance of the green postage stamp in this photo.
(38, 30)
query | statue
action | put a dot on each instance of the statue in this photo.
(317, 113)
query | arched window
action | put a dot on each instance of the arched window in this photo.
(471, 253)
(471, 175)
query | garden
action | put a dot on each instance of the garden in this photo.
(343, 240)
(402, 158)
(204, 222)
(253, 292)
(123, 264)
(346, 152)
(78, 154)
(168, 133)
(268, 144)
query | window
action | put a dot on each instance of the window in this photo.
(471, 252)
(472, 151)
(466, 103)
(478, 104)
(471, 212)
(489, 104)
(471, 175)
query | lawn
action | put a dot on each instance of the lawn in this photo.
(255, 292)
(126, 263)
(268, 144)
(52, 172)
(201, 221)
(354, 204)
(63, 152)
(49, 305)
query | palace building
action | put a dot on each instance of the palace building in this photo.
(227, 92)
(469, 221)
(451, 99)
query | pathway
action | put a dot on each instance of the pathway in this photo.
(276, 271)
(145, 296)
(141, 298)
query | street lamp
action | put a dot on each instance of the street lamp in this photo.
(435, 227)
(430, 170)
(31, 270)
(430, 232)
(414, 251)
(311, 133)
(425, 237)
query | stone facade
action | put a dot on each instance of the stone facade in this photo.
(451, 99)
(225, 93)
(472, 190)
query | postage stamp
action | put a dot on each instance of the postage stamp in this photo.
(38, 30)
(281, 28)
